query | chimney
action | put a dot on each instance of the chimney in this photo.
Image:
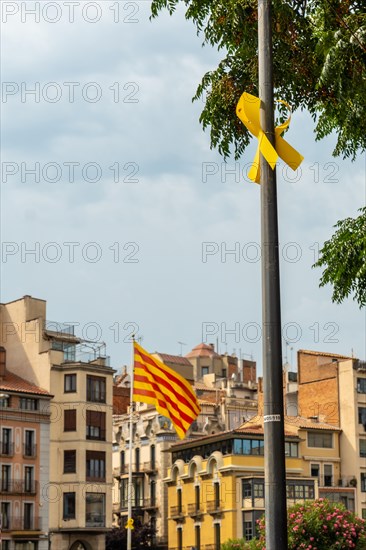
(2, 362)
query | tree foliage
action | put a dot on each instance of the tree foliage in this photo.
(344, 260)
(319, 64)
(143, 536)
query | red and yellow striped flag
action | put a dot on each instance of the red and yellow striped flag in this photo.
(158, 385)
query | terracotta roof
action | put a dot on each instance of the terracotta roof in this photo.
(296, 421)
(258, 430)
(325, 354)
(202, 350)
(311, 424)
(12, 382)
(202, 387)
(177, 359)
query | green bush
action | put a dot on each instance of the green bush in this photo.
(235, 544)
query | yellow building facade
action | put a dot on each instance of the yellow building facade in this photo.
(216, 487)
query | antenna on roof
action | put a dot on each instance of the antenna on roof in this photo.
(181, 347)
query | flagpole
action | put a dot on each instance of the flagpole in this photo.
(130, 485)
(274, 440)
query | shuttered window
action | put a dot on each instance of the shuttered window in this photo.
(70, 420)
(95, 425)
(70, 462)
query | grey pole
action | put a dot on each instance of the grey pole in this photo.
(274, 440)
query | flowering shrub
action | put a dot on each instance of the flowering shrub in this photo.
(235, 544)
(319, 525)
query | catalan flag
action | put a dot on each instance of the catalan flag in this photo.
(158, 385)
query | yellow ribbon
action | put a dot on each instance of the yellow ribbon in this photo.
(129, 524)
(247, 110)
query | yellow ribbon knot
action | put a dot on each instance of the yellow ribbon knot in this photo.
(129, 524)
(247, 110)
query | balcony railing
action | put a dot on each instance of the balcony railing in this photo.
(29, 451)
(17, 486)
(194, 510)
(177, 511)
(150, 503)
(93, 519)
(213, 507)
(12, 523)
(6, 448)
(139, 468)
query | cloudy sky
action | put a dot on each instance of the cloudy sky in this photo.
(116, 211)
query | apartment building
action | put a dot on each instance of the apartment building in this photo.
(24, 459)
(216, 487)
(332, 388)
(77, 374)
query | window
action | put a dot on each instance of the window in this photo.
(247, 489)
(362, 415)
(95, 389)
(5, 515)
(247, 526)
(249, 447)
(197, 537)
(204, 370)
(320, 440)
(28, 515)
(70, 383)
(29, 446)
(28, 404)
(363, 513)
(363, 482)
(70, 462)
(361, 385)
(223, 373)
(328, 475)
(180, 538)
(70, 420)
(95, 425)
(197, 497)
(300, 491)
(291, 449)
(217, 532)
(29, 485)
(137, 459)
(363, 448)
(5, 477)
(153, 492)
(179, 498)
(152, 457)
(6, 446)
(4, 402)
(217, 495)
(122, 462)
(258, 490)
(69, 506)
(95, 510)
(95, 465)
(314, 470)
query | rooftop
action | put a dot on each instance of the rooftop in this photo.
(202, 350)
(176, 359)
(325, 354)
(13, 383)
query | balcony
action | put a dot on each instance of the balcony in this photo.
(29, 451)
(177, 513)
(18, 487)
(194, 510)
(213, 507)
(21, 524)
(137, 469)
(6, 448)
(150, 504)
